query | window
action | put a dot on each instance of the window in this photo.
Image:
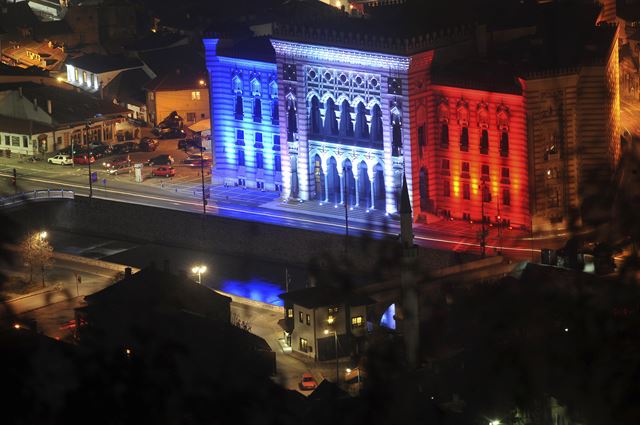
(357, 322)
(257, 110)
(551, 152)
(505, 176)
(191, 116)
(552, 173)
(486, 193)
(466, 191)
(7, 140)
(290, 313)
(84, 76)
(277, 163)
(332, 311)
(484, 142)
(444, 136)
(15, 141)
(240, 137)
(258, 141)
(464, 139)
(75, 73)
(239, 110)
(150, 95)
(465, 170)
(446, 188)
(504, 144)
(308, 320)
(301, 316)
(241, 157)
(553, 196)
(259, 161)
(25, 141)
(275, 113)
(276, 142)
(445, 167)
(304, 345)
(195, 95)
(506, 196)
(485, 172)
(422, 139)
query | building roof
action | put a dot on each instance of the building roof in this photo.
(32, 71)
(157, 40)
(22, 126)
(68, 106)
(98, 64)
(182, 78)
(127, 86)
(476, 74)
(162, 61)
(254, 48)
(322, 296)
(152, 287)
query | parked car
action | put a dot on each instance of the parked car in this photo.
(119, 168)
(119, 148)
(61, 160)
(148, 144)
(197, 161)
(131, 146)
(163, 171)
(84, 158)
(101, 151)
(170, 133)
(161, 160)
(185, 144)
(308, 382)
(118, 161)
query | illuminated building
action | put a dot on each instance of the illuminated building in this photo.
(352, 112)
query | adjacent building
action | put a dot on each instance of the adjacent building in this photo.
(91, 72)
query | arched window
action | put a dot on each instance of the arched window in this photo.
(376, 124)
(273, 89)
(484, 142)
(504, 144)
(292, 119)
(464, 139)
(346, 124)
(256, 89)
(444, 135)
(314, 116)
(396, 133)
(239, 110)
(362, 129)
(330, 121)
(424, 190)
(236, 84)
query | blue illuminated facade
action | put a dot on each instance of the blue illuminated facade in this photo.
(245, 121)
(317, 123)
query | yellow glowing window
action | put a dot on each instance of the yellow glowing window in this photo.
(357, 322)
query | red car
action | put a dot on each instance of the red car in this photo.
(308, 382)
(84, 159)
(163, 171)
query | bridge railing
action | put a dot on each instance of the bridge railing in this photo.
(36, 195)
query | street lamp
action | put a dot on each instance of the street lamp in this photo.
(42, 236)
(495, 422)
(199, 270)
(335, 339)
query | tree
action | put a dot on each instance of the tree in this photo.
(36, 253)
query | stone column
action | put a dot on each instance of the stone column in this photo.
(372, 174)
(326, 186)
(342, 176)
(355, 179)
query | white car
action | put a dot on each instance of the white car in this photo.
(61, 160)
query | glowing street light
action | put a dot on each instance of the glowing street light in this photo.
(495, 422)
(199, 270)
(335, 339)
(43, 235)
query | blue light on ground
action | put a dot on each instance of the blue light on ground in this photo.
(256, 290)
(388, 318)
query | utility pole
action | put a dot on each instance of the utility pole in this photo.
(86, 133)
(204, 199)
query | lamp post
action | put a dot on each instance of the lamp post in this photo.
(199, 270)
(335, 339)
(204, 199)
(42, 236)
(86, 132)
(347, 201)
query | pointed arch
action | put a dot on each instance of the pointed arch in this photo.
(330, 120)
(256, 87)
(396, 132)
(346, 124)
(315, 122)
(236, 84)
(376, 123)
(273, 89)
(362, 128)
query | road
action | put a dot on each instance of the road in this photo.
(183, 192)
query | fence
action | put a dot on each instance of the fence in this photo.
(36, 195)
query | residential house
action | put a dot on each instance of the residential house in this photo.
(92, 72)
(126, 90)
(320, 319)
(75, 117)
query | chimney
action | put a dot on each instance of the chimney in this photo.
(49, 106)
(166, 266)
(127, 272)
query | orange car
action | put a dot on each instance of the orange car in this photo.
(308, 382)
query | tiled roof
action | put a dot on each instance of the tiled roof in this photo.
(127, 86)
(22, 126)
(321, 296)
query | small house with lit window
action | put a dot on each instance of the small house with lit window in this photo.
(322, 319)
(92, 72)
